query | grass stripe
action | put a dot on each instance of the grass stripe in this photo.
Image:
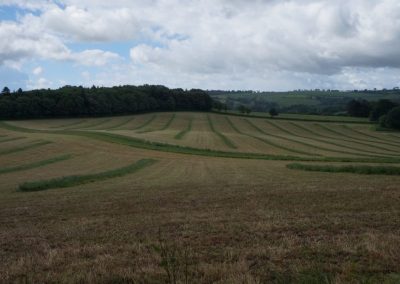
(168, 124)
(35, 164)
(380, 140)
(70, 124)
(70, 181)
(121, 124)
(362, 153)
(351, 140)
(364, 170)
(182, 133)
(24, 148)
(269, 142)
(223, 138)
(95, 124)
(12, 139)
(164, 147)
(147, 122)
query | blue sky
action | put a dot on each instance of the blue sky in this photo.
(210, 44)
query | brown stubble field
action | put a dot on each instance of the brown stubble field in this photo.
(193, 218)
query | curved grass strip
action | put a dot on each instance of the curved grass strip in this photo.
(269, 142)
(121, 124)
(351, 140)
(94, 124)
(24, 148)
(163, 147)
(362, 153)
(70, 124)
(165, 127)
(291, 119)
(71, 181)
(224, 139)
(380, 140)
(304, 143)
(146, 123)
(363, 170)
(35, 164)
(182, 133)
(12, 139)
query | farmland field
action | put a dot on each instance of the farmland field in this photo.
(198, 198)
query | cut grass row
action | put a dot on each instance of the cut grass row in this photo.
(223, 138)
(358, 169)
(35, 164)
(143, 144)
(269, 142)
(70, 124)
(181, 134)
(359, 152)
(24, 148)
(304, 143)
(95, 124)
(147, 122)
(71, 181)
(11, 139)
(351, 139)
(330, 142)
(165, 127)
(380, 139)
(121, 124)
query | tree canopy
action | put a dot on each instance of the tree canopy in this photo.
(72, 101)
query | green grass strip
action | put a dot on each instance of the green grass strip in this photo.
(165, 127)
(70, 124)
(291, 119)
(224, 139)
(121, 124)
(380, 139)
(24, 148)
(182, 133)
(163, 147)
(353, 140)
(146, 123)
(95, 124)
(169, 122)
(35, 164)
(71, 181)
(364, 170)
(269, 142)
(12, 139)
(362, 153)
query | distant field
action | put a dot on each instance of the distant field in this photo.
(199, 198)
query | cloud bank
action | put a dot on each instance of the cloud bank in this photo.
(256, 44)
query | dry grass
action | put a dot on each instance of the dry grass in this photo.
(193, 219)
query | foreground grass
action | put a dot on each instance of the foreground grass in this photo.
(358, 169)
(35, 164)
(156, 146)
(71, 181)
(11, 139)
(24, 148)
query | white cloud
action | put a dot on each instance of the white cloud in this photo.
(265, 44)
(37, 71)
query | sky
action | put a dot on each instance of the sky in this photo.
(268, 45)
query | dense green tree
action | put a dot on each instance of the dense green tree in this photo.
(273, 112)
(5, 91)
(358, 108)
(380, 108)
(72, 101)
(392, 119)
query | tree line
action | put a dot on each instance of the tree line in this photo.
(386, 112)
(71, 101)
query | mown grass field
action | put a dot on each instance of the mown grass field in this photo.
(198, 198)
